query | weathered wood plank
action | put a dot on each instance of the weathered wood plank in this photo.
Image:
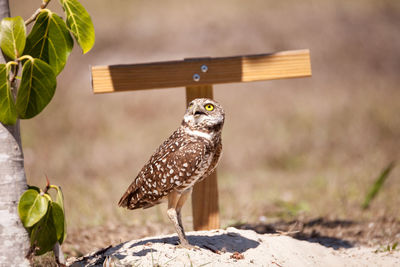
(115, 78)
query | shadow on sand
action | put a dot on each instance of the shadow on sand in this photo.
(227, 242)
(319, 230)
(328, 233)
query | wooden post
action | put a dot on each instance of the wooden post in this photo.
(198, 75)
(205, 207)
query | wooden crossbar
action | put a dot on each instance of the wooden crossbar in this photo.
(116, 78)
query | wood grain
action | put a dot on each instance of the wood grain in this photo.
(115, 78)
(205, 207)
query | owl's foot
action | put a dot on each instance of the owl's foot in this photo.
(188, 246)
(184, 243)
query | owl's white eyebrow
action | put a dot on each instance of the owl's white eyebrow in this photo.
(199, 133)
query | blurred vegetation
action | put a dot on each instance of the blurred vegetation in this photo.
(377, 186)
(303, 147)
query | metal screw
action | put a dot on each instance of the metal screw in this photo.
(196, 77)
(204, 68)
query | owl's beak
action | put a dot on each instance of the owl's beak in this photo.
(198, 111)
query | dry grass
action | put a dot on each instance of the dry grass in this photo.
(302, 147)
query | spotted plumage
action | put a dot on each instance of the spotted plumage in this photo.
(189, 155)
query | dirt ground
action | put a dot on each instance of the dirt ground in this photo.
(235, 247)
(336, 233)
(377, 234)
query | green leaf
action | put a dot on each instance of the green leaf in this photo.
(60, 202)
(38, 84)
(50, 40)
(32, 207)
(12, 36)
(8, 112)
(60, 196)
(79, 23)
(34, 188)
(44, 233)
(59, 221)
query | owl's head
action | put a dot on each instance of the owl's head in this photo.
(204, 114)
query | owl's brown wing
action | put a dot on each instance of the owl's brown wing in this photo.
(214, 162)
(173, 166)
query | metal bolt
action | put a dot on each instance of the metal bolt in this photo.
(196, 77)
(204, 68)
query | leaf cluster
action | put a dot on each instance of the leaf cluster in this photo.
(43, 218)
(42, 54)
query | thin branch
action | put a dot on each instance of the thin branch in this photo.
(47, 185)
(34, 16)
(14, 73)
(58, 254)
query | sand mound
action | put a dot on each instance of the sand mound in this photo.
(233, 247)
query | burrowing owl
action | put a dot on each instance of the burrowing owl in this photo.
(189, 155)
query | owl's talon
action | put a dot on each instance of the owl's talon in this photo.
(188, 246)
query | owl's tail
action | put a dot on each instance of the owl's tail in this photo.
(124, 201)
(129, 199)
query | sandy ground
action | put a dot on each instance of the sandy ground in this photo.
(234, 247)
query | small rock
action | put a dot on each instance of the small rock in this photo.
(237, 256)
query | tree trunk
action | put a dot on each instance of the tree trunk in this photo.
(14, 240)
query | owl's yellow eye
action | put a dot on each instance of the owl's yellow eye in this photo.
(209, 107)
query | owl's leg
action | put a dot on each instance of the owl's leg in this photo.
(173, 199)
(181, 201)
